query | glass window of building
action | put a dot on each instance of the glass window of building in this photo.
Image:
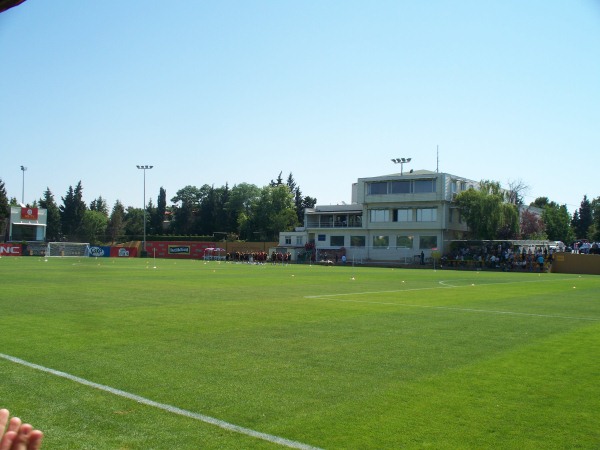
(378, 188)
(426, 214)
(400, 187)
(379, 215)
(427, 242)
(424, 186)
(381, 241)
(404, 241)
(403, 215)
(336, 241)
(358, 241)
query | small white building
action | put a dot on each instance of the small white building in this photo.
(27, 224)
(391, 218)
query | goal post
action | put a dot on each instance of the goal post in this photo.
(68, 249)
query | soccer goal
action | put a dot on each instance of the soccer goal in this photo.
(68, 249)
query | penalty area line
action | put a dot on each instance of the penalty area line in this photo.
(169, 408)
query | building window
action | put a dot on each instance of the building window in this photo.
(450, 215)
(381, 241)
(463, 186)
(427, 242)
(404, 241)
(424, 186)
(336, 241)
(379, 215)
(403, 215)
(358, 241)
(327, 221)
(454, 186)
(426, 214)
(298, 240)
(321, 238)
(288, 240)
(400, 187)
(378, 188)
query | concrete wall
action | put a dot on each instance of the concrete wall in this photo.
(575, 263)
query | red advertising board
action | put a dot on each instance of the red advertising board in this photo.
(11, 250)
(29, 213)
(178, 249)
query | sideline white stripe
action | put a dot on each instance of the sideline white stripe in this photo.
(450, 308)
(172, 409)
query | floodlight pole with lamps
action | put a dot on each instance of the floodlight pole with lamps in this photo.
(23, 169)
(401, 161)
(144, 168)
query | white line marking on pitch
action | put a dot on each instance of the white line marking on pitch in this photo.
(172, 409)
(332, 297)
(450, 308)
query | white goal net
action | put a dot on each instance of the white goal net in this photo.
(68, 249)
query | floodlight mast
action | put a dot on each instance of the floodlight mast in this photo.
(401, 161)
(144, 168)
(23, 169)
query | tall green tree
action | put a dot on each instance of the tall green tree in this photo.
(99, 205)
(93, 227)
(4, 207)
(223, 223)
(134, 223)
(186, 205)
(557, 221)
(53, 222)
(582, 219)
(157, 216)
(487, 214)
(273, 212)
(239, 206)
(595, 228)
(116, 223)
(72, 212)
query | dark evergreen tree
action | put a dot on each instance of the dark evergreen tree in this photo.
(72, 212)
(4, 210)
(99, 205)
(134, 223)
(185, 210)
(53, 224)
(277, 182)
(116, 223)
(595, 228)
(584, 219)
(558, 222)
(157, 216)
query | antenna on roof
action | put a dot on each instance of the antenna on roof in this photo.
(437, 167)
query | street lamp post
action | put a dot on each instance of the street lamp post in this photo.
(401, 161)
(23, 169)
(144, 168)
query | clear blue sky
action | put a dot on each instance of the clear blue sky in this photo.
(215, 92)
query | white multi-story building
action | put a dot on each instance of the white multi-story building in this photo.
(391, 218)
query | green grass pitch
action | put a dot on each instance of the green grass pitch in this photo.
(317, 357)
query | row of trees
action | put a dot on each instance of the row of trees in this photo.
(248, 212)
(494, 213)
(244, 211)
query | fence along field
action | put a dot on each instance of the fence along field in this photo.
(306, 355)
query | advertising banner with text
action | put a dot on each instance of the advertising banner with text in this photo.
(11, 250)
(178, 249)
